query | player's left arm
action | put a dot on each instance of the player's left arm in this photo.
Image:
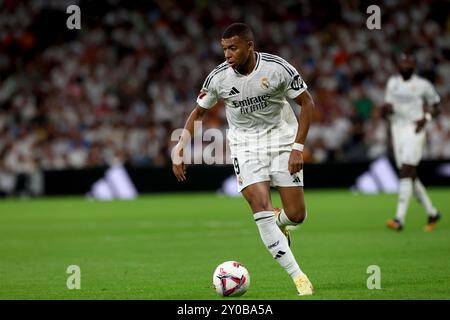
(430, 107)
(429, 114)
(434, 110)
(305, 118)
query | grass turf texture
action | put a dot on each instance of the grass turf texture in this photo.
(167, 246)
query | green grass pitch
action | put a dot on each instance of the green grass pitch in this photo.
(167, 246)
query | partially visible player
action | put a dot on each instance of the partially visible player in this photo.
(266, 140)
(411, 101)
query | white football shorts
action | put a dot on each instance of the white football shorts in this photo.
(253, 167)
(408, 145)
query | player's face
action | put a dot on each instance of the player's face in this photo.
(236, 51)
(406, 67)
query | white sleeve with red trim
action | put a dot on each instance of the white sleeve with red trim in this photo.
(208, 96)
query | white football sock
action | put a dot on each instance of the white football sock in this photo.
(405, 191)
(422, 196)
(276, 242)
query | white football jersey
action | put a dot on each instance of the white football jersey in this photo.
(256, 107)
(407, 97)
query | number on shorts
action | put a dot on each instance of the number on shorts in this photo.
(236, 166)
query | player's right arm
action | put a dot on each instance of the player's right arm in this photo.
(206, 99)
(178, 165)
(387, 109)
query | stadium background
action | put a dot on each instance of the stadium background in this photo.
(114, 91)
(75, 102)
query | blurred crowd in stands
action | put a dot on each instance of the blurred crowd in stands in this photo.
(114, 91)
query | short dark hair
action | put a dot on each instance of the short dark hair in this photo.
(238, 29)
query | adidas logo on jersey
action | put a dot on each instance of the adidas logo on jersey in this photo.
(233, 91)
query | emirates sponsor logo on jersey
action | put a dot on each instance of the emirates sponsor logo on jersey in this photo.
(404, 97)
(252, 104)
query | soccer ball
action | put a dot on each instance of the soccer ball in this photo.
(231, 279)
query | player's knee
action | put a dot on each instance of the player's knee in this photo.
(299, 219)
(407, 171)
(299, 216)
(257, 204)
(405, 174)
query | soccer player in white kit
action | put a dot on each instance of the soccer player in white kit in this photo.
(266, 139)
(410, 101)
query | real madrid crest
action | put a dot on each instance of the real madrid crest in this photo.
(265, 83)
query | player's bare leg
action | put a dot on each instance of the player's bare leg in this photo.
(293, 200)
(258, 197)
(293, 212)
